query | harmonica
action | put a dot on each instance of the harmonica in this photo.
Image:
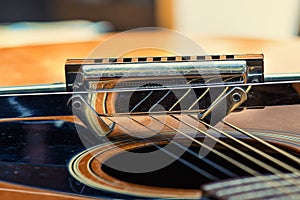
(117, 111)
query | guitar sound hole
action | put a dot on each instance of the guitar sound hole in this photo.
(177, 175)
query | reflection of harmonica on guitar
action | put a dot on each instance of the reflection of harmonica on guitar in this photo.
(176, 106)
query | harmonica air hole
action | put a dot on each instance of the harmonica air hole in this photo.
(142, 59)
(215, 57)
(111, 60)
(156, 59)
(200, 57)
(127, 59)
(98, 60)
(185, 58)
(229, 56)
(171, 58)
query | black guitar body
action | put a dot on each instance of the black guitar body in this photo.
(169, 141)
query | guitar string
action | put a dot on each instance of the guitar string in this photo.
(276, 161)
(181, 98)
(188, 91)
(220, 154)
(236, 140)
(227, 172)
(184, 162)
(163, 97)
(138, 104)
(294, 182)
(274, 148)
(251, 158)
(223, 156)
(254, 173)
(240, 165)
(233, 161)
(194, 167)
(272, 169)
(290, 156)
(206, 160)
(261, 153)
(275, 172)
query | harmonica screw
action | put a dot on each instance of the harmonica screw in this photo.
(226, 104)
(89, 117)
(236, 97)
(77, 105)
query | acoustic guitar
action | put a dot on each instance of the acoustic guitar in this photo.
(179, 127)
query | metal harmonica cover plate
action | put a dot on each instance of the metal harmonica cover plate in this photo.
(133, 72)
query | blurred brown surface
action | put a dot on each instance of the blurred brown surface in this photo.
(38, 64)
(43, 64)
